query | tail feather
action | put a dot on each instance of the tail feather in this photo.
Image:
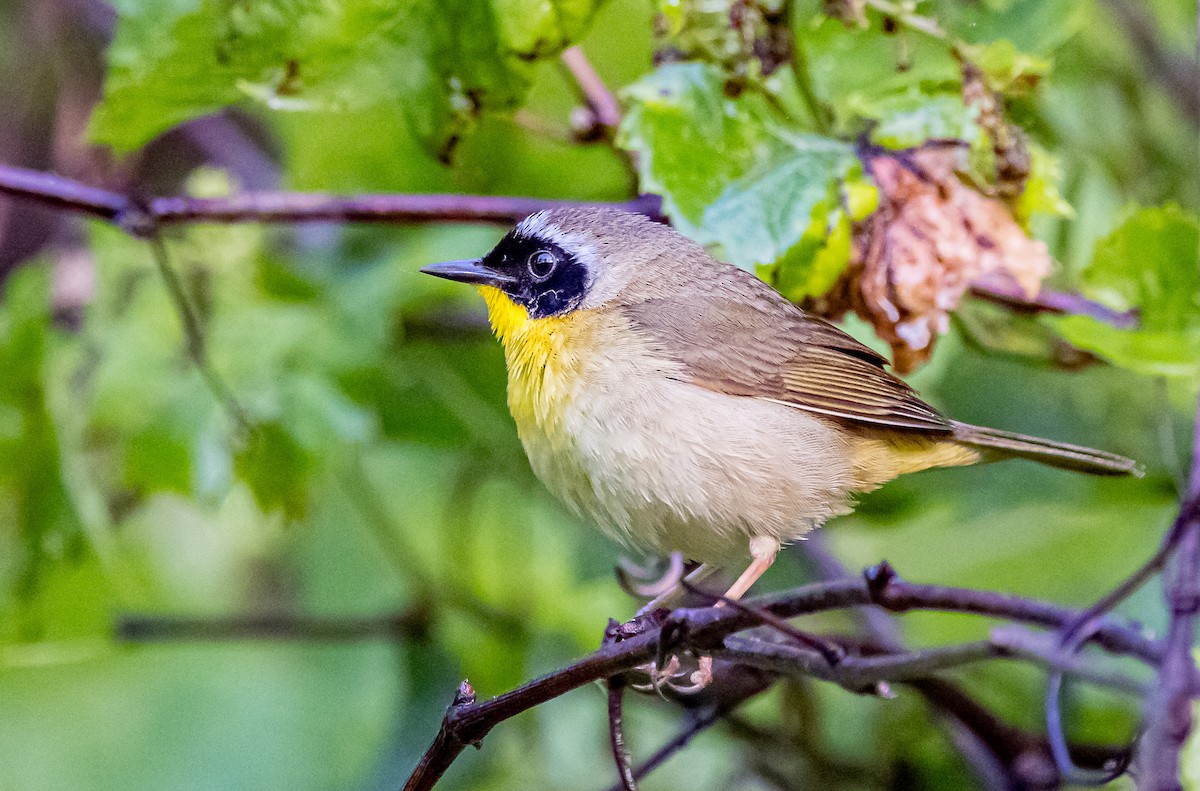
(1056, 454)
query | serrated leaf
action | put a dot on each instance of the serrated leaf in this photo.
(729, 170)
(762, 215)
(691, 139)
(1151, 265)
(442, 62)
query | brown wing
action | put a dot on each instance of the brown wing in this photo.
(757, 344)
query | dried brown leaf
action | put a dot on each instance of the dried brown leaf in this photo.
(918, 253)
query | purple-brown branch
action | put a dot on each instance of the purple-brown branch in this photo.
(600, 100)
(1168, 713)
(699, 721)
(141, 217)
(1011, 296)
(706, 628)
(616, 734)
(282, 207)
(976, 749)
(140, 628)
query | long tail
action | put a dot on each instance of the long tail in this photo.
(1056, 454)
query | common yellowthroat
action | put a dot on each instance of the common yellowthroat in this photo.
(684, 405)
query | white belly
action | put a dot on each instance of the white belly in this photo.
(665, 465)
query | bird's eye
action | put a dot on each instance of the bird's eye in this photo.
(542, 264)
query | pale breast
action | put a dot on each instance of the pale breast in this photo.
(665, 465)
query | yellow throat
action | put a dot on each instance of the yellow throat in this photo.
(541, 369)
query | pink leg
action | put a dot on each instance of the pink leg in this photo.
(762, 552)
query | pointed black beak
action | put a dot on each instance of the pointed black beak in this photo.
(472, 271)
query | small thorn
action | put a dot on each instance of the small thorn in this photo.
(878, 578)
(465, 695)
(612, 632)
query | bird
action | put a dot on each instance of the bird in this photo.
(682, 404)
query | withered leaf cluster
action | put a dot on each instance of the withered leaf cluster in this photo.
(931, 237)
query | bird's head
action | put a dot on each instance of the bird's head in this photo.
(558, 261)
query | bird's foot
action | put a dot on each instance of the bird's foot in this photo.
(677, 677)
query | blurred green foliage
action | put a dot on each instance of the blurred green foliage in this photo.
(177, 60)
(1136, 267)
(382, 473)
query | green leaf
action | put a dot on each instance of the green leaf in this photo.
(762, 215)
(37, 512)
(690, 138)
(1042, 194)
(909, 119)
(1170, 353)
(1033, 26)
(814, 265)
(852, 69)
(730, 171)
(1150, 264)
(442, 62)
(1006, 68)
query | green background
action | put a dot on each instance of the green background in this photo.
(383, 474)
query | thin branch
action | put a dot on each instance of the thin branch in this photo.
(1042, 650)
(883, 630)
(447, 745)
(705, 628)
(288, 207)
(1168, 718)
(1025, 755)
(861, 674)
(976, 749)
(142, 218)
(1049, 301)
(891, 593)
(139, 628)
(829, 650)
(62, 193)
(865, 673)
(698, 722)
(616, 734)
(296, 207)
(193, 333)
(1074, 634)
(599, 98)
